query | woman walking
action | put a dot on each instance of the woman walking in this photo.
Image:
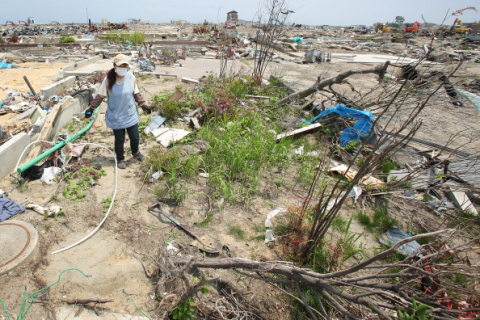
(121, 89)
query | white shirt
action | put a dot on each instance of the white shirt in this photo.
(103, 87)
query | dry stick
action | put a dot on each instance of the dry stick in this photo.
(337, 305)
(305, 303)
(320, 304)
(381, 255)
(85, 301)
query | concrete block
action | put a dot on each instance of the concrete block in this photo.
(57, 88)
(461, 200)
(73, 108)
(11, 151)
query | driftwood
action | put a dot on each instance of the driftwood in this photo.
(320, 84)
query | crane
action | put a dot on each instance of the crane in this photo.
(105, 21)
(23, 23)
(11, 23)
(145, 22)
(459, 28)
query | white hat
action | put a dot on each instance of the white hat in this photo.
(121, 59)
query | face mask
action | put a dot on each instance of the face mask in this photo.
(121, 71)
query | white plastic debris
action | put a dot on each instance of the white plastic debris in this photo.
(157, 175)
(269, 236)
(271, 215)
(172, 250)
(49, 174)
(355, 193)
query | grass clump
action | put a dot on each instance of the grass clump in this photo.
(378, 223)
(237, 232)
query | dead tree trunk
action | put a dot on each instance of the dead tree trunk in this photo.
(320, 84)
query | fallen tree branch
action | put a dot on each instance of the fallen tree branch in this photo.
(320, 84)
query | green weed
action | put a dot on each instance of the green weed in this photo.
(237, 232)
(379, 223)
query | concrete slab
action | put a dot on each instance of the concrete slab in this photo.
(11, 151)
(97, 65)
(462, 201)
(71, 109)
(57, 88)
(19, 240)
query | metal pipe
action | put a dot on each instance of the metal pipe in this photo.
(29, 85)
(59, 144)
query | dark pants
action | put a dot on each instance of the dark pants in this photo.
(134, 137)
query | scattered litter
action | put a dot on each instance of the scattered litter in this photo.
(49, 174)
(157, 175)
(351, 173)
(269, 236)
(172, 250)
(77, 151)
(145, 65)
(271, 215)
(166, 136)
(45, 211)
(395, 235)
(155, 123)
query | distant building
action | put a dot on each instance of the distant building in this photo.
(232, 16)
(31, 20)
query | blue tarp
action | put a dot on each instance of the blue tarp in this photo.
(297, 39)
(360, 129)
(4, 65)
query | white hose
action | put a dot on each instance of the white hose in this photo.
(109, 208)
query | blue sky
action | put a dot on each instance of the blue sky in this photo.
(314, 12)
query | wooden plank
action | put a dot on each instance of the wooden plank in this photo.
(306, 104)
(299, 132)
(47, 128)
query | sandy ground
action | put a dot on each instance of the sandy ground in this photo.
(39, 74)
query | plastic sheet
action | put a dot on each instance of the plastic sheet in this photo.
(360, 129)
(395, 235)
(472, 97)
(4, 65)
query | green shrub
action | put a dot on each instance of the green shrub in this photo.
(66, 40)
